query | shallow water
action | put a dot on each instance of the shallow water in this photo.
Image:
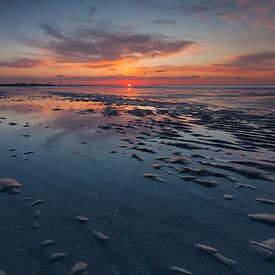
(224, 135)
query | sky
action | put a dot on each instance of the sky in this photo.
(142, 42)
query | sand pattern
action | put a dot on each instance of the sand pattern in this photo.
(114, 184)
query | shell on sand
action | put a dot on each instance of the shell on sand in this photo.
(206, 249)
(27, 199)
(58, 256)
(228, 197)
(78, 268)
(14, 190)
(123, 146)
(9, 184)
(138, 157)
(100, 236)
(143, 149)
(28, 153)
(37, 202)
(82, 219)
(179, 160)
(206, 183)
(265, 217)
(162, 158)
(241, 185)
(266, 248)
(264, 200)
(169, 172)
(179, 269)
(154, 177)
(47, 242)
(157, 166)
(215, 253)
(224, 260)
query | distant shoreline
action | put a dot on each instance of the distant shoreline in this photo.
(49, 85)
(137, 86)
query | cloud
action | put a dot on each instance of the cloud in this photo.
(259, 13)
(92, 10)
(195, 9)
(104, 45)
(255, 61)
(261, 62)
(165, 21)
(255, 58)
(118, 79)
(51, 31)
(263, 13)
(25, 63)
(223, 9)
(99, 66)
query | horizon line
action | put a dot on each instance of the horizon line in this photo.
(133, 86)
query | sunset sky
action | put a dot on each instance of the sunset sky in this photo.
(172, 42)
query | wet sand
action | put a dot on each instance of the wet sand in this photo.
(136, 182)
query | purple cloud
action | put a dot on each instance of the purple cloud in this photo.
(261, 61)
(165, 21)
(100, 45)
(22, 63)
(250, 59)
(254, 61)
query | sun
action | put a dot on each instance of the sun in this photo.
(129, 84)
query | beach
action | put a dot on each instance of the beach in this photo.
(157, 174)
